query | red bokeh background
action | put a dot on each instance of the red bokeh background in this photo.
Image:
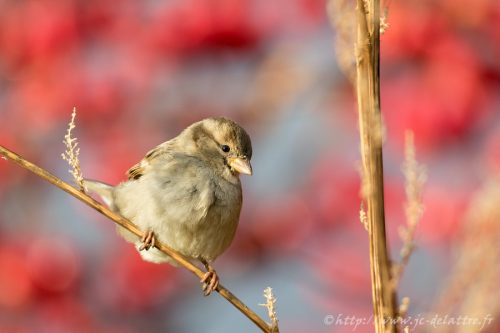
(139, 72)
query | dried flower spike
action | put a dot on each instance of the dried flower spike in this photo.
(271, 310)
(362, 216)
(384, 24)
(404, 306)
(72, 152)
(415, 177)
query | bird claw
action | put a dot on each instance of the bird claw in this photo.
(210, 281)
(148, 240)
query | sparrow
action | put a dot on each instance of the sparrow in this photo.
(185, 193)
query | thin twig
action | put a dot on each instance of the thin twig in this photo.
(180, 259)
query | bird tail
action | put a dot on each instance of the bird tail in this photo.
(105, 191)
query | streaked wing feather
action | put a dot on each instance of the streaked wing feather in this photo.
(138, 170)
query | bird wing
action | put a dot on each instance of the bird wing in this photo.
(175, 192)
(138, 170)
(183, 180)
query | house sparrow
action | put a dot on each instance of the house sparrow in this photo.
(186, 193)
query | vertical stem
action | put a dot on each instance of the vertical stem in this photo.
(368, 95)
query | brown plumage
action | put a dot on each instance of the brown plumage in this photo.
(186, 193)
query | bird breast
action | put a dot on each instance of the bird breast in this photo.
(190, 209)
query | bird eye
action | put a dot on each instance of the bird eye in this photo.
(225, 148)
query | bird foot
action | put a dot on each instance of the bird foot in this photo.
(148, 240)
(210, 281)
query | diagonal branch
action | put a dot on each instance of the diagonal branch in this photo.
(180, 259)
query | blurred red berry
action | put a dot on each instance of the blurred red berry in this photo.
(35, 31)
(54, 265)
(334, 192)
(65, 314)
(413, 28)
(287, 219)
(441, 101)
(16, 289)
(343, 269)
(131, 284)
(443, 214)
(198, 26)
(491, 153)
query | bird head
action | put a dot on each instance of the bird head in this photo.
(224, 145)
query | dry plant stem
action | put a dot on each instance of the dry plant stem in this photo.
(230, 297)
(368, 95)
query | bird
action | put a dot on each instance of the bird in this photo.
(185, 193)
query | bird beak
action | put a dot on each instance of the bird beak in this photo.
(241, 164)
